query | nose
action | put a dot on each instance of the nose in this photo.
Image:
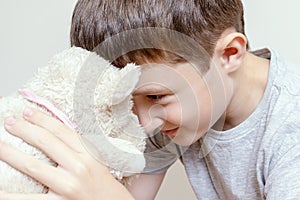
(150, 117)
(153, 125)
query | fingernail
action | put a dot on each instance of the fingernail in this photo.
(27, 112)
(10, 121)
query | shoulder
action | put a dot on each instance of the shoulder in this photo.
(286, 75)
(282, 126)
(284, 100)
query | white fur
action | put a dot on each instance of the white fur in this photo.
(114, 136)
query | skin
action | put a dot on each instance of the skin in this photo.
(242, 79)
(79, 171)
(184, 103)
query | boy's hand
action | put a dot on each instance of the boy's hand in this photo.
(78, 175)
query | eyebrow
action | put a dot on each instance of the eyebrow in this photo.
(150, 89)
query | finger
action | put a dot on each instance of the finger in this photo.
(43, 140)
(56, 127)
(33, 167)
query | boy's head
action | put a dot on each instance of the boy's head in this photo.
(203, 21)
(178, 38)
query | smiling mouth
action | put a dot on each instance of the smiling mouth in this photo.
(170, 132)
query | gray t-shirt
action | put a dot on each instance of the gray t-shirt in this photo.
(259, 158)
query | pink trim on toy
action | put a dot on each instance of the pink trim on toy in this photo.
(30, 96)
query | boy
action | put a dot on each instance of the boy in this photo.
(230, 115)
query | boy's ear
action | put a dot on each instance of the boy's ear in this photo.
(231, 50)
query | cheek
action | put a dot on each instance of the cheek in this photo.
(196, 109)
(172, 114)
(189, 113)
(195, 120)
(198, 116)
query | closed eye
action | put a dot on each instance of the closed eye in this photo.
(161, 99)
(155, 97)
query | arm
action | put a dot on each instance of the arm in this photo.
(145, 187)
(78, 175)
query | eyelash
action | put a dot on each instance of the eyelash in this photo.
(156, 98)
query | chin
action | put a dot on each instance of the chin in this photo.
(184, 138)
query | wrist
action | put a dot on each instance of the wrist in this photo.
(116, 190)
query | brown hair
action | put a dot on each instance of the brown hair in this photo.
(203, 21)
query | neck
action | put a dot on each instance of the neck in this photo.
(250, 81)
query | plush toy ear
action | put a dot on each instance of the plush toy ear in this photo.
(125, 86)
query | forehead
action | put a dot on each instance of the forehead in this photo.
(167, 77)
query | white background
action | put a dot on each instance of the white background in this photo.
(32, 31)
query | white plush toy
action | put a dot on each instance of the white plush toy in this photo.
(80, 88)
